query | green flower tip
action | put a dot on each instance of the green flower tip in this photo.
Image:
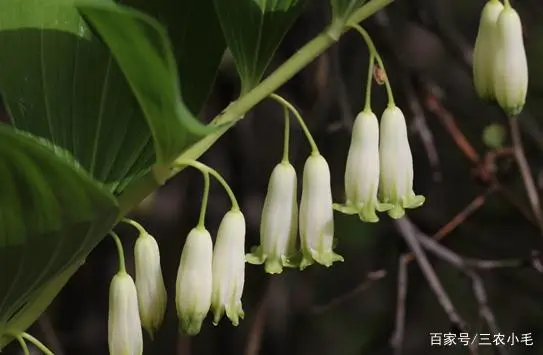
(271, 265)
(235, 314)
(326, 258)
(398, 210)
(366, 213)
(191, 326)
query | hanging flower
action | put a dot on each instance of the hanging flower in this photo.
(396, 185)
(124, 327)
(229, 268)
(362, 170)
(484, 52)
(194, 280)
(279, 223)
(316, 214)
(511, 67)
(152, 296)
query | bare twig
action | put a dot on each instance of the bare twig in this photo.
(399, 330)
(434, 106)
(466, 266)
(364, 285)
(524, 168)
(255, 334)
(406, 230)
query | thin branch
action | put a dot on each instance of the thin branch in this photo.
(466, 266)
(364, 285)
(434, 106)
(255, 334)
(529, 183)
(406, 230)
(399, 329)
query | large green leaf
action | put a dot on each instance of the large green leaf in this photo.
(253, 30)
(52, 214)
(153, 76)
(190, 24)
(343, 9)
(60, 82)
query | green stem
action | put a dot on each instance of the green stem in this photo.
(367, 105)
(506, 4)
(120, 251)
(135, 224)
(208, 170)
(143, 187)
(38, 344)
(373, 50)
(286, 135)
(205, 198)
(23, 344)
(308, 135)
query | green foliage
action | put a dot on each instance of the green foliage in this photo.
(253, 30)
(59, 82)
(190, 24)
(56, 215)
(153, 76)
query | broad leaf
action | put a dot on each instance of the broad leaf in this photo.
(343, 9)
(51, 214)
(153, 76)
(60, 82)
(190, 24)
(253, 30)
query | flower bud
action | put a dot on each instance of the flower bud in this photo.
(317, 214)
(124, 328)
(511, 67)
(362, 170)
(229, 268)
(396, 185)
(485, 50)
(194, 281)
(279, 223)
(149, 283)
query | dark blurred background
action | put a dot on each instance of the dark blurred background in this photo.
(350, 308)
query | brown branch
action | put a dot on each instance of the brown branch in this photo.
(370, 279)
(406, 229)
(399, 329)
(529, 184)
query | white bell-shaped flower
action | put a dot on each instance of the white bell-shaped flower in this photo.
(229, 268)
(485, 50)
(396, 180)
(194, 281)
(124, 327)
(316, 214)
(511, 67)
(279, 222)
(362, 170)
(152, 296)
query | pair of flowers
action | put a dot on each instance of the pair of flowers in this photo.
(281, 220)
(379, 169)
(500, 69)
(212, 277)
(136, 304)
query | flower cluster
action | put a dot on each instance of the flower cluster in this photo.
(500, 69)
(133, 305)
(212, 277)
(379, 169)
